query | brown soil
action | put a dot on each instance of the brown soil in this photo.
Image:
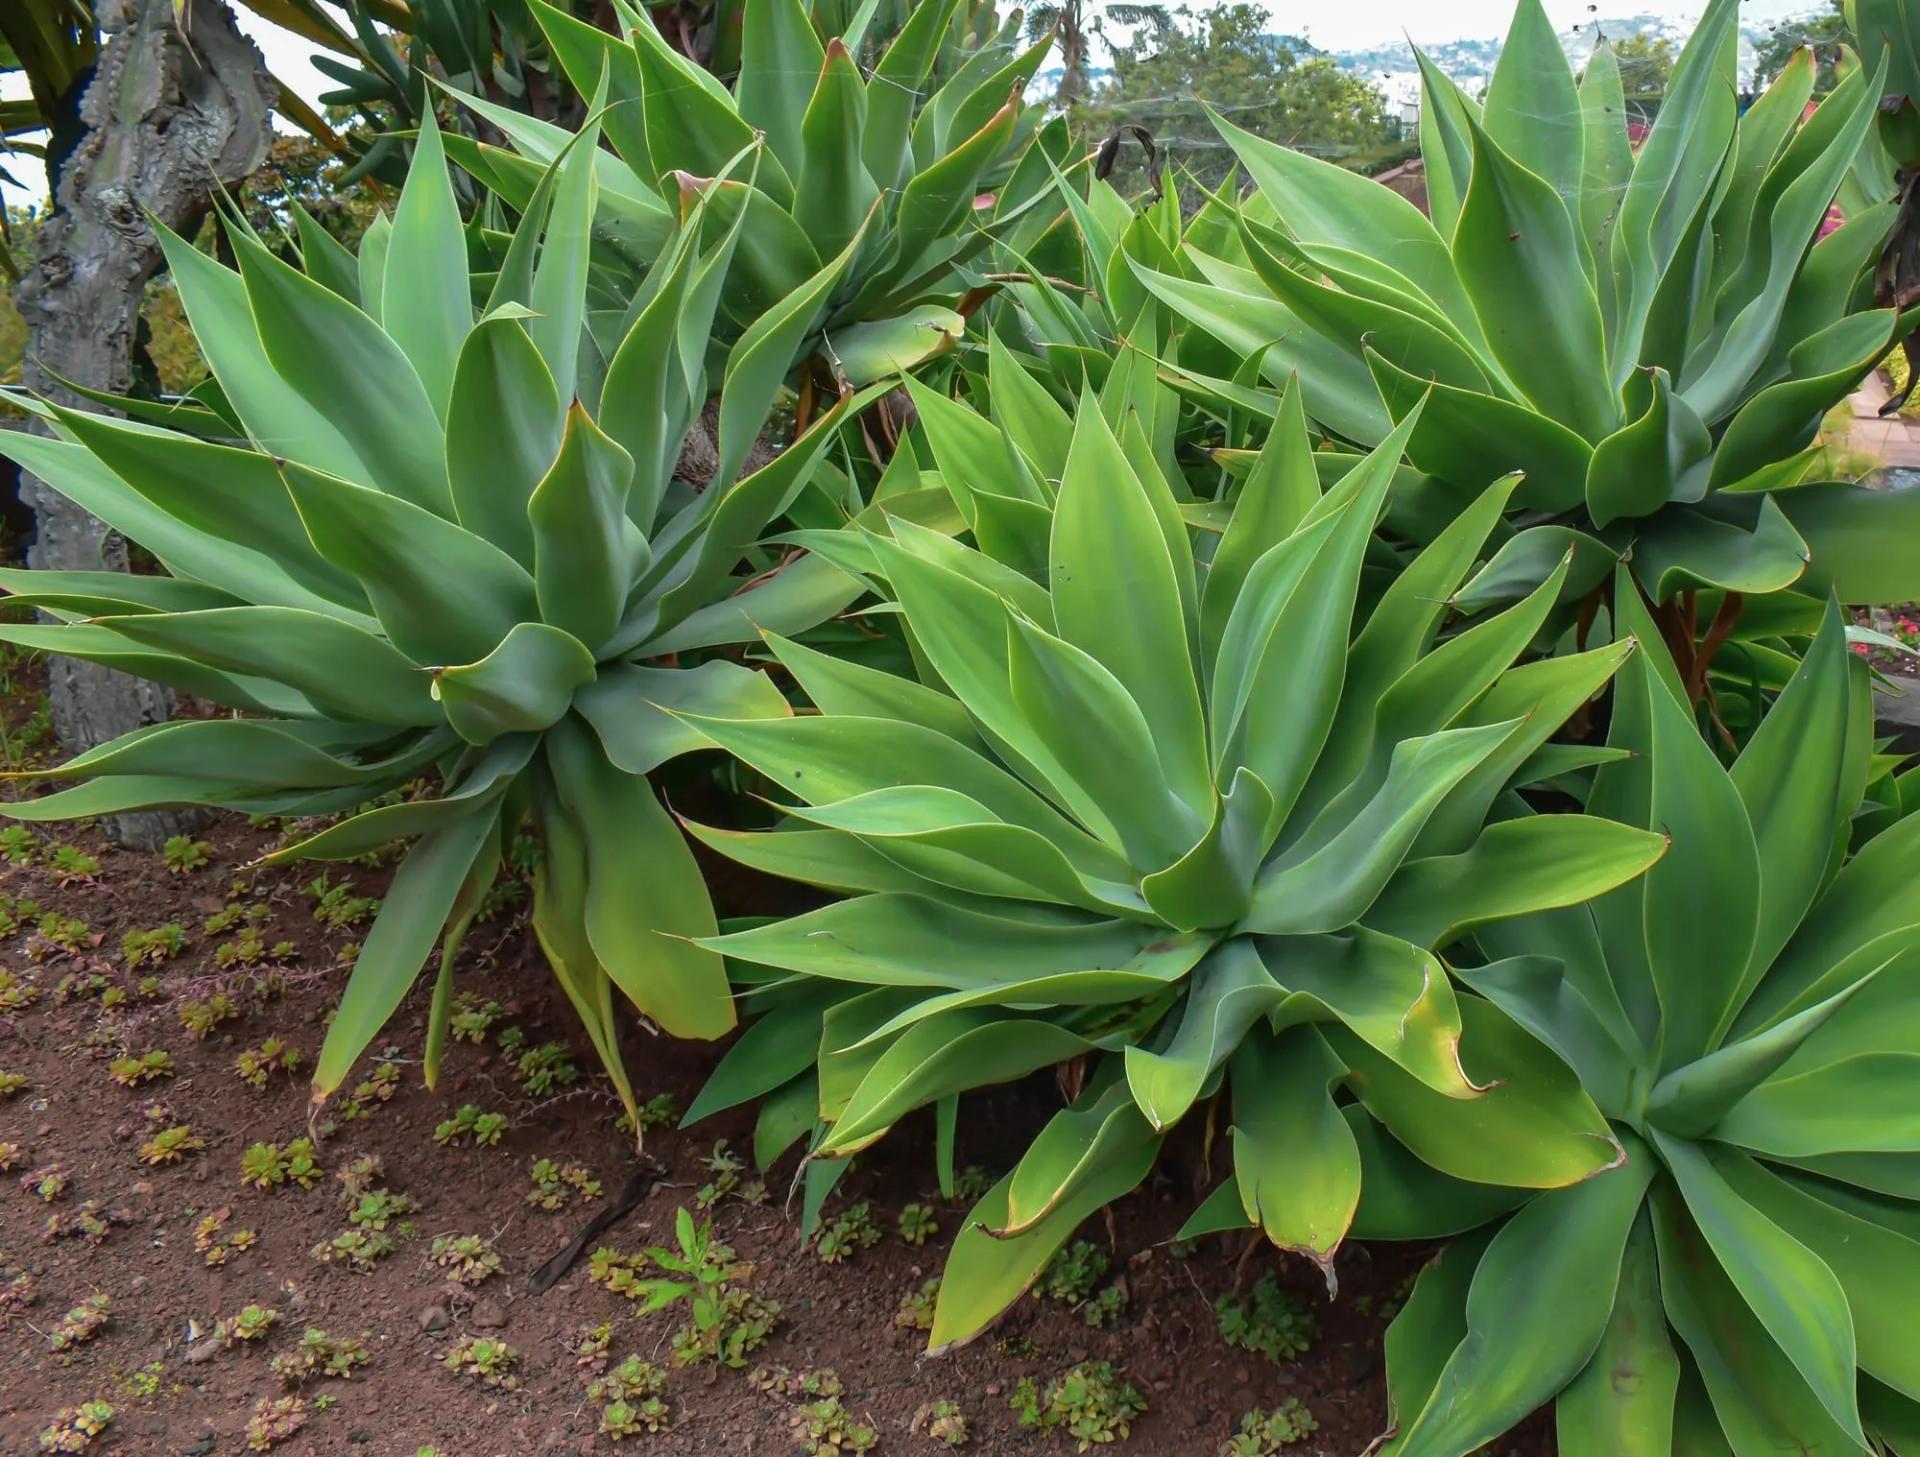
(166, 1300)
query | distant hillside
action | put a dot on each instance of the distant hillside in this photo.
(1470, 62)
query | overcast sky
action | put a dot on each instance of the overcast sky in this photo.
(1350, 26)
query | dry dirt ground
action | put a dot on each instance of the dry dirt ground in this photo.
(137, 1233)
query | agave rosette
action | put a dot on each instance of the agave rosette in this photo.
(864, 197)
(1744, 1015)
(401, 535)
(1651, 333)
(1180, 824)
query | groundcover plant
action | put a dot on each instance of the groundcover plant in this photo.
(1176, 837)
(405, 534)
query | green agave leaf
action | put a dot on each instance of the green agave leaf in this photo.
(1759, 1397)
(824, 758)
(1685, 548)
(787, 1115)
(1516, 867)
(1530, 557)
(1799, 1117)
(1789, 779)
(1117, 776)
(1606, 167)
(1332, 886)
(559, 923)
(1073, 1148)
(1788, 1287)
(799, 595)
(1692, 1099)
(1878, 1267)
(1651, 460)
(1537, 1310)
(834, 188)
(1476, 438)
(824, 858)
(779, 56)
(1575, 1012)
(896, 84)
(412, 913)
(1148, 978)
(442, 594)
(1852, 537)
(876, 348)
(477, 782)
(1519, 260)
(1337, 391)
(956, 841)
(114, 649)
(217, 308)
(986, 1273)
(586, 552)
(1115, 595)
(304, 650)
(945, 1054)
(378, 404)
(1276, 497)
(1403, 1198)
(109, 593)
(1622, 1403)
(1396, 332)
(1698, 967)
(1294, 1157)
(633, 708)
(1532, 108)
(646, 907)
(1427, 1331)
(1862, 918)
(910, 940)
(692, 125)
(259, 550)
(840, 686)
(1532, 1126)
(1038, 423)
(505, 421)
(428, 310)
(524, 685)
(1785, 417)
(1796, 194)
(587, 53)
(1394, 996)
(286, 754)
(1320, 203)
(776, 1047)
(1209, 885)
(1672, 174)
(1229, 991)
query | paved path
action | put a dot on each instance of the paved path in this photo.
(1894, 441)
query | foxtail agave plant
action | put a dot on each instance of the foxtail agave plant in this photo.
(1745, 1017)
(1177, 825)
(863, 199)
(1651, 334)
(404, 537)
